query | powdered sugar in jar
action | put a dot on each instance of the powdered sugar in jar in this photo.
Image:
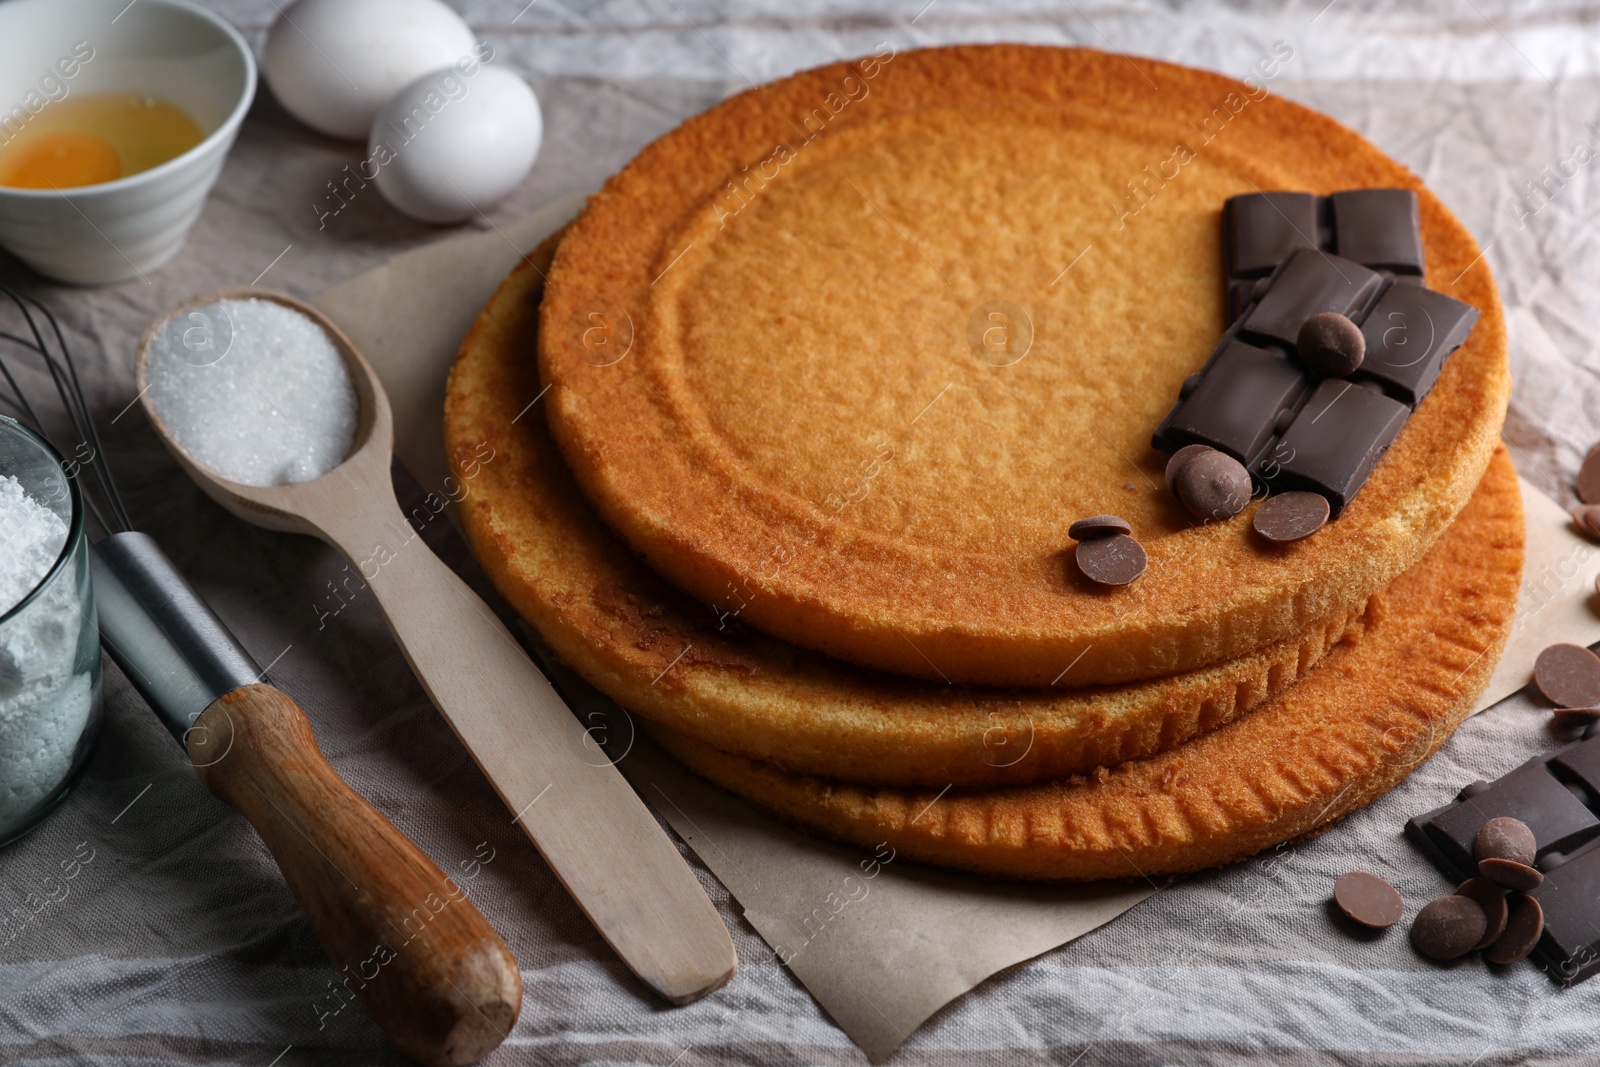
(49, 639)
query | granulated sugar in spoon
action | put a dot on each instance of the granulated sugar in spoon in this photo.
(277, 416)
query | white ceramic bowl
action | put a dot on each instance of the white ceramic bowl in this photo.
(172, 49)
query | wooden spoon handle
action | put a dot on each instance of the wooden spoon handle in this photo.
(402, 934)
(576, 807)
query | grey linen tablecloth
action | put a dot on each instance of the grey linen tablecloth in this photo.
(177, 942)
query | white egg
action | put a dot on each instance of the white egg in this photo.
(451, 144)
(333, 64)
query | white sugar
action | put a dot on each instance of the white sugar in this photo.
(31, 538)
(254, 391)
(46, 691)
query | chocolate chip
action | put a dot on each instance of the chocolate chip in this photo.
(1098, 526)
(1492, 899)
(1448, 928)
(1505, 838)
(1213, 485)
(1179, 458)
(1291, 516)
(1523, 927)
(1589, 477)
(1331, 345)
(1367, 899)
(1568, 676)
(1511, 874)
(1114, 560)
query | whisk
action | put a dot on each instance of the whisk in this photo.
(446, 994)
(110, 514)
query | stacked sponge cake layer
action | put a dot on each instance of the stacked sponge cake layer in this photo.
(683, 408)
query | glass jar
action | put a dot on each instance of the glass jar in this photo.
(49, 639)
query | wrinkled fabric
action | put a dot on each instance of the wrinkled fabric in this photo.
(177, 942)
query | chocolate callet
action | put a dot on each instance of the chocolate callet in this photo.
(1367, 899)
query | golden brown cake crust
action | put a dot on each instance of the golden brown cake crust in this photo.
(663, 655)
(1349, 732)
(802, 433)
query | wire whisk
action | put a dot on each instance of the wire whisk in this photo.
(49, 346)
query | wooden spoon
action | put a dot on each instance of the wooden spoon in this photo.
(593, 830)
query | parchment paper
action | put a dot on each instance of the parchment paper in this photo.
(881, 944)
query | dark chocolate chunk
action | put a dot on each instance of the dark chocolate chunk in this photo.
(1261, 229)
(1511, 874)
(1505, 838)
(1524, 925)
(1114, 560)
(1290, 258)
(1448, 928)
(1310, 282)
(1532, 793)
(1492, 899)
(1333, 443)
(1589, 477)
(1179, 458)
(1409, 334)
(1330, 345)
(1367, 899)
(1378, 227)
(1568, 676)
(1214, 485)
(1569, 899)
(1236, 405)
(1291, 516)
(1098, 526)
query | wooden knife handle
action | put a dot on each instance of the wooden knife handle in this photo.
(403, 936)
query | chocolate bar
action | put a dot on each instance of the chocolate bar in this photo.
(1257, 401)
(1558, 796)
(1377, 228)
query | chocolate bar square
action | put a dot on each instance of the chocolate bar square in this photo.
(1235, 407)
(1334, 442)
(1410, 332)
(1570, 899)
(1261, 229)
(1309, 283)
(1378, 227)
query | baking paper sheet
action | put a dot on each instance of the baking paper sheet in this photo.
(881, 944)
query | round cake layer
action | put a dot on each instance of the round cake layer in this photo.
(844, 357)
(667, 657)
(1346, 734)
